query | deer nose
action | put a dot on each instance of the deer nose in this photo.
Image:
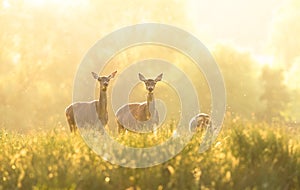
(150, 89)
(105, 84)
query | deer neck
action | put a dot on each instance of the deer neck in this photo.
(150, 105)
(102, 103)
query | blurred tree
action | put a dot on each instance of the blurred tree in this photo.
(43, 42)
(285, 44)
(38, 59)
(275, 96)
(285, 31)
(241, 80)
(292, 79)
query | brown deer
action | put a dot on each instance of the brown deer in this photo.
(90, 112)
(142, 116)
(199, 122)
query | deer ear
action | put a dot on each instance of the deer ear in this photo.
(112, 75)
(95, 75)
(159, 77)
(141, 77)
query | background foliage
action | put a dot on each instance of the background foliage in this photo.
(42, 44)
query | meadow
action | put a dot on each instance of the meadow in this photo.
(43, 43)
(246, 155)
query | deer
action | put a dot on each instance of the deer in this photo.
(90, 112)
(199, 122)
(138, 116)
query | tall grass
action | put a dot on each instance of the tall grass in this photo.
(245, 156)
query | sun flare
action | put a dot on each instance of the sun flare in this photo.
(41, 3)
(264, 60)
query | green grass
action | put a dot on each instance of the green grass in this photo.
(245, 156)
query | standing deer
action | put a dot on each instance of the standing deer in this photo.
(90, 112)
(140, 116)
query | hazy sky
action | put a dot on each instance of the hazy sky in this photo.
(245, 23)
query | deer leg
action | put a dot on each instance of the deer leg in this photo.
(71, 124)
(121, 129)
(70, 119)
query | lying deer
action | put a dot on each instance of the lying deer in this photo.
(200, 122)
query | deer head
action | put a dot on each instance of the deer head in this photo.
(104, 80)
(150, 83)
(203, 120)
(200, 122)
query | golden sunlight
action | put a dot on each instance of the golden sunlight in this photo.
(249, 51)
(40, 3)
(5, 4)
(264, 60)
